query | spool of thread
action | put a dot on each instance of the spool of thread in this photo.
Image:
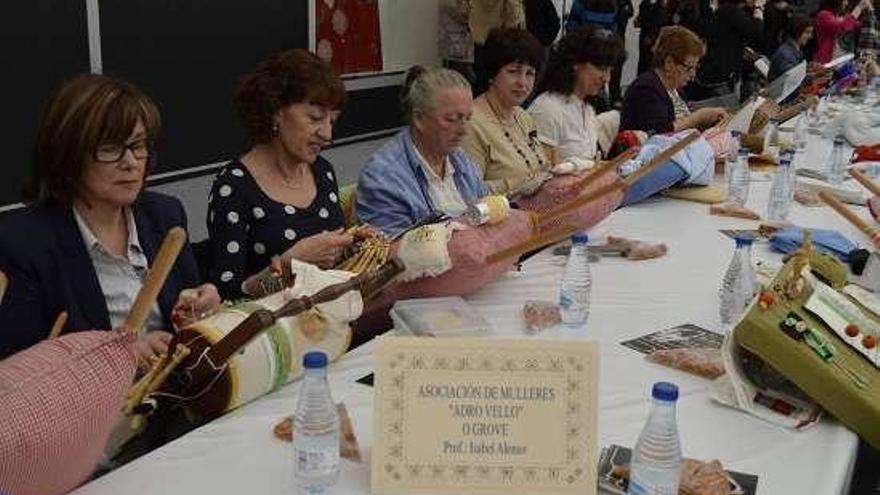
(499, 207)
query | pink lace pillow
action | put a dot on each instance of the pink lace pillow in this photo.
(720, 141)
(468, 250)
(562, 189)
(59, 400)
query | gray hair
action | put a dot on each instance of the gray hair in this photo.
(421, 86)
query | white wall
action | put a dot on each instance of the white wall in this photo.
(409, 33)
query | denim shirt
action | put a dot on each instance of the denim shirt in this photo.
(393, 191)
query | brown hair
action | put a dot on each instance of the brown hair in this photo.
(85, 111)
(678, 43)
(589, 43)
(285, 78)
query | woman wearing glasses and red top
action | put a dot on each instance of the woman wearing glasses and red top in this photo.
(86, 242)
(654, 103)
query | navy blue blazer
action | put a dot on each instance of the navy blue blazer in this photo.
(647, 106)
(49, 269)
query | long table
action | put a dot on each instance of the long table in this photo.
(238, 454)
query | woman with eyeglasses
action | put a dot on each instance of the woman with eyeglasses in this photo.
(422, 172)
(91, 232)
(502, 139)
(654, 102)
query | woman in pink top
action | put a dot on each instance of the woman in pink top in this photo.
(830, 25)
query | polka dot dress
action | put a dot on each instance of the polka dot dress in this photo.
(247, 227)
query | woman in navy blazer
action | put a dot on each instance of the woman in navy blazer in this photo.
(84, 244)
(653, 103)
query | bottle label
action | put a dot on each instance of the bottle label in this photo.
(317, 455)
(637, 488)
(565, 301)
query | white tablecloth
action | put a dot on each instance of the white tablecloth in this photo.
(238, 454)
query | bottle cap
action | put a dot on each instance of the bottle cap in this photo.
(315, 359)
(580, 238)
(665, 391)
(743, 241)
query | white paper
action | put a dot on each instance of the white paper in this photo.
(743, 119)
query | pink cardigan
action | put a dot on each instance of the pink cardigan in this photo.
(828, 28)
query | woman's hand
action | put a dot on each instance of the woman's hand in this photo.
(322, 249)
(707, 117)
(195, 304)
(152, 344)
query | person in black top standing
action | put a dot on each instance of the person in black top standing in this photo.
(279, 200)
(731, 30)
(653, 15)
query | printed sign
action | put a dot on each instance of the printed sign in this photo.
(485, 416)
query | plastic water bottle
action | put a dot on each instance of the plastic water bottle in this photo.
(801, 127)
(780, 191)
(792, 158)
(316, 430)
(576, 283)
(738, 284)
(655, 468)
(838, 162)
(771, 139)
(740, 178)
(732, 150)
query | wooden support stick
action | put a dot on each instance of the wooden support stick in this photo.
(534, 242)
(180, 353)
(661, 158)
(605, 167)
(854, 219)
(578, 202)
(3, 283)
(156, 276)
(866, 181)
(790, 111)
(137, 391)
(59, 325)
(583, 200)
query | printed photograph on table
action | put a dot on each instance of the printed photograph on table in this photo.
(614, 476)
(687, 336)
(347, 35)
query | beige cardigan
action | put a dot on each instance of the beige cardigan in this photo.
(503, 168)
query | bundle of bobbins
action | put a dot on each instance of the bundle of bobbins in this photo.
(371, 250)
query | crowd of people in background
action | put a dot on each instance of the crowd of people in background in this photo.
(736, 34)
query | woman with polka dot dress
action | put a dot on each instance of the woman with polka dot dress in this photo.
(280, 200)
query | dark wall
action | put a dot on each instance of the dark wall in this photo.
(41, 42)
(187, 54)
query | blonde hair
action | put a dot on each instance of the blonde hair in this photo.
(421, 85)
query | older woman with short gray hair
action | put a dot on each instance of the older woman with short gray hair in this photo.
(422, 171)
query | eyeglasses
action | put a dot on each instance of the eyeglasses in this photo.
(113, 152)
(689, 68)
